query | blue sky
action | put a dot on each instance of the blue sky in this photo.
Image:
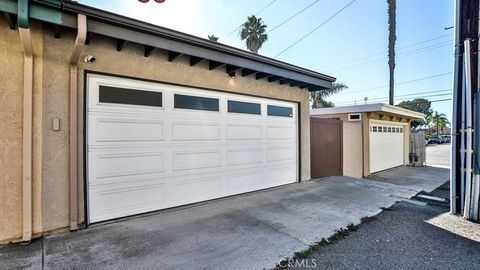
(351, 47)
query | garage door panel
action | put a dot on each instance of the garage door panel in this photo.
(127, 163)
(244, 132)
(108, 129)
(190, 131)
(244, 156)
(142, 159)
(281, 154)
(280, 133)
(195, 188)
(280, 175)
(128, 200)
(196, 160)
(243, 182)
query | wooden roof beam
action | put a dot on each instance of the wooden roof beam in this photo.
(195, 60)
(261, 75)
(11, 20)
(231, 69)
(173, 55)
(246, 72)
(148, 51)
(214, 64)
(121, 44)
(285, 81)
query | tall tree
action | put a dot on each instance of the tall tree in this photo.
(317, 98)
(439, 120)
(420, 105)
(392, 37)
(213, 38)
(254, 32)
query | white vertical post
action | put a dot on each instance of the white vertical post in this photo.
(468, 131)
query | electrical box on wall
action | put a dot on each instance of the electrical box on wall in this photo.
(56, 124)
(354, 117)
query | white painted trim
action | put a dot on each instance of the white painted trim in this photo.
(378, 107)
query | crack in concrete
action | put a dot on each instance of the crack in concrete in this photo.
(43, 254)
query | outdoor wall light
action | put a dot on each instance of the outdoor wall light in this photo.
(89, 59)
(232, 75)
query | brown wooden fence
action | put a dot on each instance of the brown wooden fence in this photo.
(326, 147)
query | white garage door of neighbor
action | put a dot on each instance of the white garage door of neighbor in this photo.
(386, 146)
(152, 146)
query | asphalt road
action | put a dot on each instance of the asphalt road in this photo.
(402, 238)
(438, 155)
(409, 235)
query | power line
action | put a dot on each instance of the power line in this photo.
(294, 15)
(314, 29)
(263, 9)
(405, 54)
(411, 94)
(384, 52)
(403, 82)
(440, 100)
(361, 101)
(397, 98)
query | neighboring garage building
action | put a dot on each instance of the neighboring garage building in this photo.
(375, 137)
(104, 116)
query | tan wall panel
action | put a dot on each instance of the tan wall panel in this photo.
(352, 149)
(11, 119)
(11, 102)
(55, 196)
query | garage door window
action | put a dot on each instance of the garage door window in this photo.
(195, 103)
(108, 94)
(273, 110)
(243, 107)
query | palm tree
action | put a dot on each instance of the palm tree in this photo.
(213, 38)
(392, 37)
(440, 120)
(254, 32)
(317, 98)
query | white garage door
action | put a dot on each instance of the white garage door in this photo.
(153, 146)
(386, 146)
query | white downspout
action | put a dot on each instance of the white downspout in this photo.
(27, 134)
(73, 152)
(454, 131)
(468, 130)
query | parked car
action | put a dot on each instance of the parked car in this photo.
(445, 139)
(434, 140)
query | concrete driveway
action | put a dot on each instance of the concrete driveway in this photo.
(438, 155)
(251, 231)
(414, 178)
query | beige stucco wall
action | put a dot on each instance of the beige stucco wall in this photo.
(11, 132)
(51, 100)
(352, 145)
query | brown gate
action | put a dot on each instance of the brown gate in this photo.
(326, 147)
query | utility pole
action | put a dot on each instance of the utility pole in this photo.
(465, 174)
(392, 38)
